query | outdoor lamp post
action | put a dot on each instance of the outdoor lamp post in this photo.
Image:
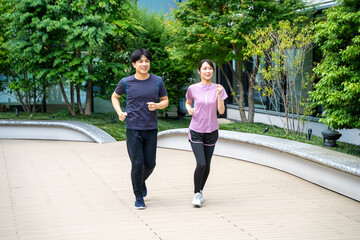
(330, 137)
(265, 130)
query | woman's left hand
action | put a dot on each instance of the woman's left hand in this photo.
(219, 88)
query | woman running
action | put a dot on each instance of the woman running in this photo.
(203, 130)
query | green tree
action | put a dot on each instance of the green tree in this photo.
(3, 60)
(63, 41)
(339, 71)
(27, 59)
(4, 53)
(155, 37)
(216, 29)
(114, 63)
(89, 24)
(283, 77)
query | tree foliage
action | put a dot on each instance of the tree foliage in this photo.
(4, 53)
(116, 49)
(64, 42)
(284, 79)
(338, 90)
(25, 60)
(216, 29)
(155, 38)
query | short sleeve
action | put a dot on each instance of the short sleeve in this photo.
(189, 94)
(223, 94)
(120, 89)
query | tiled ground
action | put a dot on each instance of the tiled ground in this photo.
(71, 190)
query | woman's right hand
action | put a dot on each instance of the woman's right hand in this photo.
(191, 111)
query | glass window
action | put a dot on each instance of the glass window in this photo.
(157, 5)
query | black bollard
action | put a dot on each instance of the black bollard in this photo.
(308, 135)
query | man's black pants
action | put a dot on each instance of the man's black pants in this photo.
(141, 146)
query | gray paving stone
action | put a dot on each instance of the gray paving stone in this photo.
(84, 192)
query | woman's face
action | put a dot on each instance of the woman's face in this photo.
(206, 71)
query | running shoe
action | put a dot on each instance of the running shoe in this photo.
(139, 203)
(197, 200)
(201, 197)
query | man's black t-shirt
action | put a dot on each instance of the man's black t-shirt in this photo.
(138, 93)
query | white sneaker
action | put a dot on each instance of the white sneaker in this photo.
(197, 200)
(201, 197)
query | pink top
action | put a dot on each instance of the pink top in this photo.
(204, 119)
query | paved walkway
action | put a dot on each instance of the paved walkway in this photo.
(75, 190)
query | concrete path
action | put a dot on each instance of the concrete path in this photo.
(75, 190)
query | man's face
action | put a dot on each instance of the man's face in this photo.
(142, 65)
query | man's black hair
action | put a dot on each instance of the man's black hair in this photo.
(205, 60)
(138, 53)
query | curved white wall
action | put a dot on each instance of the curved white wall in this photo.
(334, 179)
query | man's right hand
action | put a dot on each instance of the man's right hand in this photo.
(122, 116)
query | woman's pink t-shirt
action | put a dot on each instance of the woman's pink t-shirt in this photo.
(204, 119)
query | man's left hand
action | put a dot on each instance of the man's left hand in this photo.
(152, 106)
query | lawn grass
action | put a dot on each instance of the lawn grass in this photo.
(117, 129)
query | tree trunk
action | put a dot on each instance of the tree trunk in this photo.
(43, 102)
(34, 101)
(89, 93)
(27, 96)
(22, 102)
(72, 100)
(27, 101)
(252, 79)
(34, 98)
(71, 110)
(241, 99)
(239, 79)
(78, 99)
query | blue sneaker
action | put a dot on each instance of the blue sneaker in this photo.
(144, 191)
(139, 203)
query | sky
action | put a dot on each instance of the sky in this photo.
(157, 5)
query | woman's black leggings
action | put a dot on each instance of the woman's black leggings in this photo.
(203, 156)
